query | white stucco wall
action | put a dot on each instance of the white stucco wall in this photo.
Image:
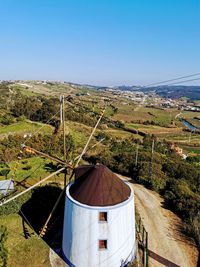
(82, 232)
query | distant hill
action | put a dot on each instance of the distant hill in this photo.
(191, 92)
(99, 87)
(178, 91)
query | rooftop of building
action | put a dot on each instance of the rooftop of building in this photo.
(96, 185)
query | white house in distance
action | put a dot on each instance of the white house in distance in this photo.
(99, 220)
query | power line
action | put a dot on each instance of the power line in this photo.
(171, 80)
(36, 132)
(184, 81)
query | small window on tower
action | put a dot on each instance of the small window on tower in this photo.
(102, 244)
(103, 216)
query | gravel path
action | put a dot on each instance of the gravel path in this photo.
(55, 260)
(168, 247)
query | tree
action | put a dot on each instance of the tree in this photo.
(5, 172)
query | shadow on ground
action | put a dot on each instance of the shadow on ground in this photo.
(162, 260)
(178, 226)
(36, 211)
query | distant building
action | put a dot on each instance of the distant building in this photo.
(6, 186)
(178, 151)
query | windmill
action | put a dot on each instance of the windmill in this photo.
(99, 216)
(63, 162)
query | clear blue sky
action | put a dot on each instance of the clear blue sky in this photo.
(103, 42)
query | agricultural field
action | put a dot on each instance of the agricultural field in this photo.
(27, 172)
(191, 150)
(80, 132)
(25, 127)
(173, 134)
(31, 88)
(164, 124)
(120, 134)
(131, 113)
(156, 130)
(24, 90)
(190, 116)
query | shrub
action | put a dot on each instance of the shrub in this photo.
(27, 168)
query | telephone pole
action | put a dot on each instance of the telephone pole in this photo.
(151, 162)
(61, 109)
(136, 156)
(62, 116)
(63, 122)
(190, 136)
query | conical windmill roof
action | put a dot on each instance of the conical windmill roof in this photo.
(96, 185)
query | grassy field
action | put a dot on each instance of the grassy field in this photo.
(80, 132)
(173, 134)
(120, 134)
(191, 150)
(23, 90)
(128, 113)
(31, 252)
(27, 172)
(188, 115)
(34, 88)
(125, 113)
(153, 129)
(163, 129)
(185, 139)
(25, 127)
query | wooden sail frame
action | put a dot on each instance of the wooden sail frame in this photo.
(60, 161)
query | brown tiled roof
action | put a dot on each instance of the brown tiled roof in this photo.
(96, 185)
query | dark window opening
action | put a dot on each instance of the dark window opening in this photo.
(102, 244)
(103, 216)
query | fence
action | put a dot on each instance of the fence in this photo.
(142, 237)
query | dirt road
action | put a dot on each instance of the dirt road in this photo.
(167, 246)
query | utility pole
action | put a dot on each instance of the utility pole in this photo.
(136, 156)
(151, 162)
(190, 136)
(62, 111)
(63, 122)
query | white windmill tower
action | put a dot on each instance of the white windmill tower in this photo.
(99, 220)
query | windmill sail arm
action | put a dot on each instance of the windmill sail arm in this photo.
(85, 148)
(34, 151)
(91, 148)
(43, 230)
